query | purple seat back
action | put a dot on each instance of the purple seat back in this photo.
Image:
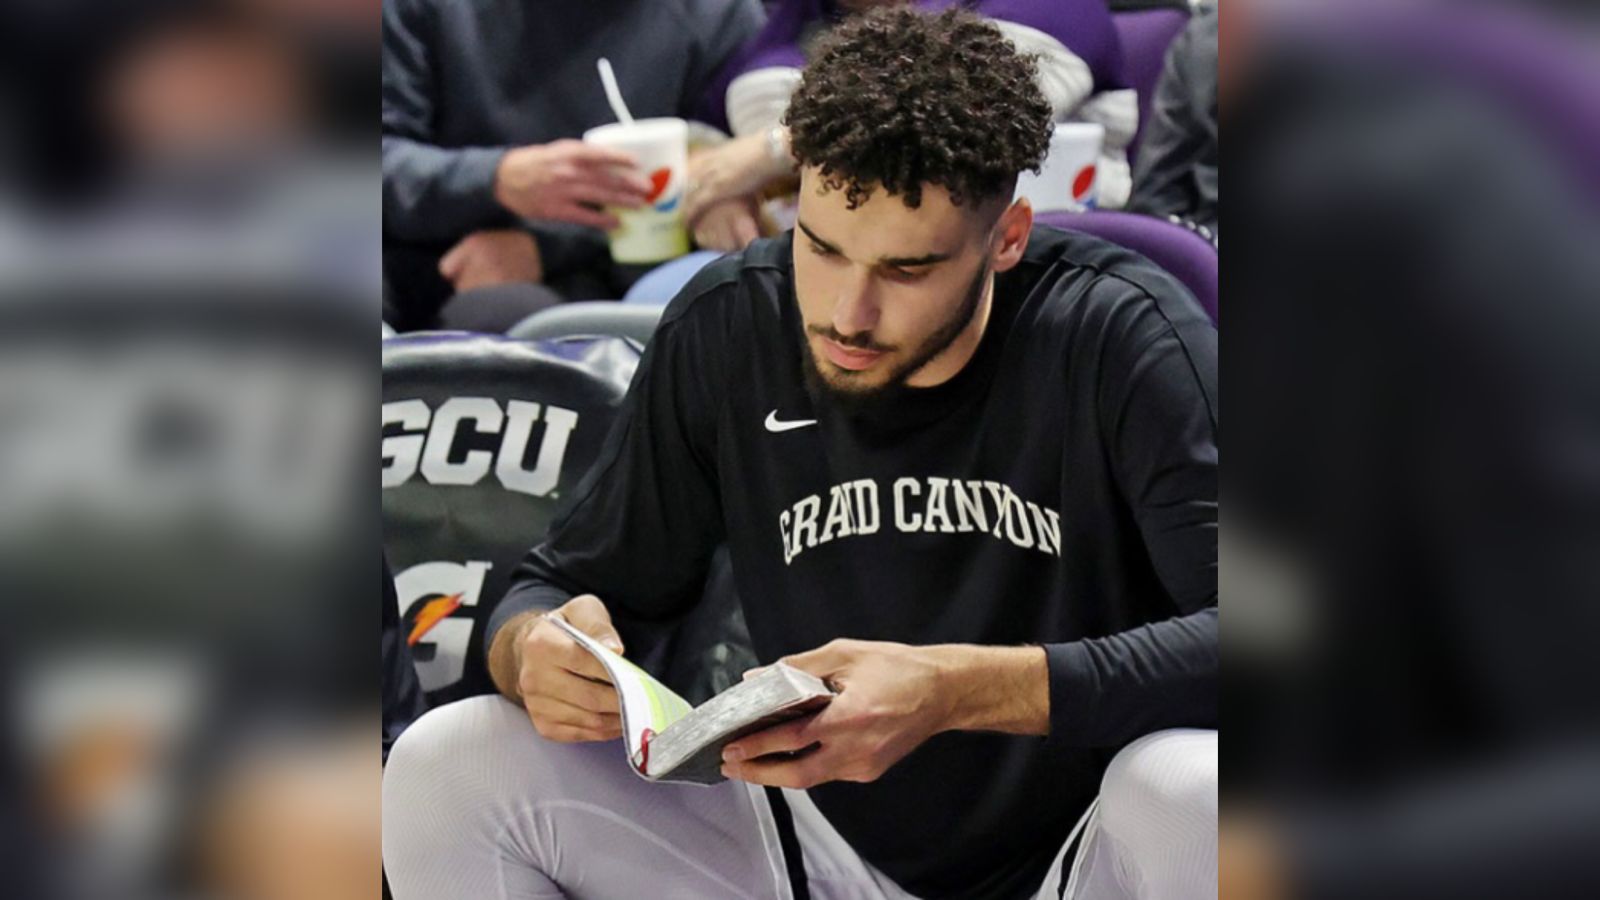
(1145, 35)
(1185, 255)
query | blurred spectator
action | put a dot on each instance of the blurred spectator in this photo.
(338, 42)
(1176, 172)
(97, 94)
(479, 186)
(1080, 70)
(292, 820)
(188, 275)
(212, 83)
(1414, 498)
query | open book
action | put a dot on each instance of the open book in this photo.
(669, 740)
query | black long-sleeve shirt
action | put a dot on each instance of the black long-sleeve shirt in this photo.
(1060, 490)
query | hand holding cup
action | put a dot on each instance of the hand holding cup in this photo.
(570, 181)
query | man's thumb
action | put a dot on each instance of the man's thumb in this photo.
(452, 258)
(820, 661)
(588, 615)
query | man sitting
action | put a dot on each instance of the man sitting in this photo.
(966, 472)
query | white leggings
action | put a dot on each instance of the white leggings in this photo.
(476, 804)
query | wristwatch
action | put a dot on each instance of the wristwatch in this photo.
(778, 149)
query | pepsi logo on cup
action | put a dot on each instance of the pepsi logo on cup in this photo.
(660, 198)
(1083, 186)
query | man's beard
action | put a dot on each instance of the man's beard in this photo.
(857, 400)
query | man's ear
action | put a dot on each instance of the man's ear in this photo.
(1011, 232)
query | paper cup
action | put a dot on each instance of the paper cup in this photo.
(1069, 179)
(655, 231)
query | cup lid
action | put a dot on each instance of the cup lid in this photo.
(661, 128)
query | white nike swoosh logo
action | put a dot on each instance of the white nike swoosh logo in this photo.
(775, 426)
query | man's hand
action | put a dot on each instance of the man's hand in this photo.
(566, 181)
(728, 226)
(738, 168)
(563, 687)
(891, 698)
(487, 258)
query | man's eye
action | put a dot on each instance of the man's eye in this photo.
(906, 275)
(820, 250)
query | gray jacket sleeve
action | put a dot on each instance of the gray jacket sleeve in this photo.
(430, 193)
(1175, 172)
(722, 27)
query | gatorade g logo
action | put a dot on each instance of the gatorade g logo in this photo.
(660, 180)
(440, 444)
(1083, 185)
(438, 604)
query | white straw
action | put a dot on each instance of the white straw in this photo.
(608, 78)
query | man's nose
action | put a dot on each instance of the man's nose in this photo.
(855, 311)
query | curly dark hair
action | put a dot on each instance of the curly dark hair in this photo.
(899, 98)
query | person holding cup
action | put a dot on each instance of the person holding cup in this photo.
(649, 228)
(485, 183)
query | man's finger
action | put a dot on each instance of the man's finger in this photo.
(472, 279)
(582, 215)
(451, 264)
(548, 647)
(805, 772)
(745, 231)
(587, 614)
(595, 155)
(695, 206)
(607, 195)
(566, 734)
(569, 655)
(552, 711)
(714, 236)
(629, 181)
(796, 734)
(626, 181)
(821, 662)
(580, 691)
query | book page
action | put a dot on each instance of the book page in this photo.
(648, 706)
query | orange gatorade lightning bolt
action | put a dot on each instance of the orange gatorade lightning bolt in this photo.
(432, 613)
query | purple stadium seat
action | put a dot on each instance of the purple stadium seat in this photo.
(1145, 35)
(1187, 256)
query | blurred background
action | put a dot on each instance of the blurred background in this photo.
(1411, 562)
(189, 294)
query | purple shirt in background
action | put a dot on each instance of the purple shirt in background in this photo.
(1082, 26)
